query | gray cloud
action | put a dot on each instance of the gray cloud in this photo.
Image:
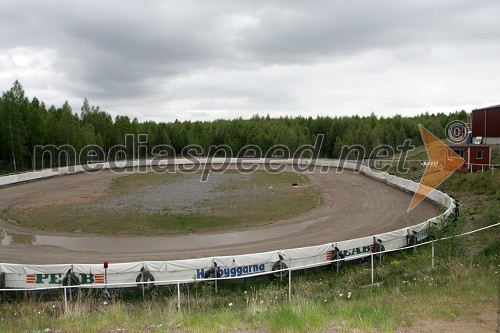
(168, 59)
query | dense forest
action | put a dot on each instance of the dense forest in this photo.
(25, 123)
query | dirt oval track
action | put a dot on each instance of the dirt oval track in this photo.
(354, 206)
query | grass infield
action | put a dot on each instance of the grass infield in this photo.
(170, 203)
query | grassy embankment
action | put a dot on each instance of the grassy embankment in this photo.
(272, 198)
(461, 294)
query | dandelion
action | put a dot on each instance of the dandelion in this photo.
(230, 304)
(105, 303)
(261, 301)
(245, 292)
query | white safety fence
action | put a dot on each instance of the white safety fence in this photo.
(44, 277)
(282, 273)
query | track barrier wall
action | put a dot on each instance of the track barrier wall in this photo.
(285, 273)
(279, 263)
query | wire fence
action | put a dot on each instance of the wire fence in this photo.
(282, 274)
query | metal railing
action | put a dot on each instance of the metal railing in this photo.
(284, 273)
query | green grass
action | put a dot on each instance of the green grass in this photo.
(495, 155)
(223, 212)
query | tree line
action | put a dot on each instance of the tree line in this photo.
(26, 123)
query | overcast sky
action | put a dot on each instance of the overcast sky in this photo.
(202, 60)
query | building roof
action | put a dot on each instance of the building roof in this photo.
(467, 145)
(488, 108)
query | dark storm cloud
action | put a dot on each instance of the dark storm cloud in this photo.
(117, 47)
(306, 33)
(168, 51)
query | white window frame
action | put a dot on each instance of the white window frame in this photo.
(479, 152)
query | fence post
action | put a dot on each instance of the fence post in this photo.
(178, 296)
(215, 275)
(70, 288)
(432, 253)
(289, 285)
(65, 301)
(373, 278)
(142, 282)
(338, 257)
(381, 252)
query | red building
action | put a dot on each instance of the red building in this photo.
(486, 125)
(477, 157)
(476, 151)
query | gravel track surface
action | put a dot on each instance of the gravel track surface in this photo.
(354, 206)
